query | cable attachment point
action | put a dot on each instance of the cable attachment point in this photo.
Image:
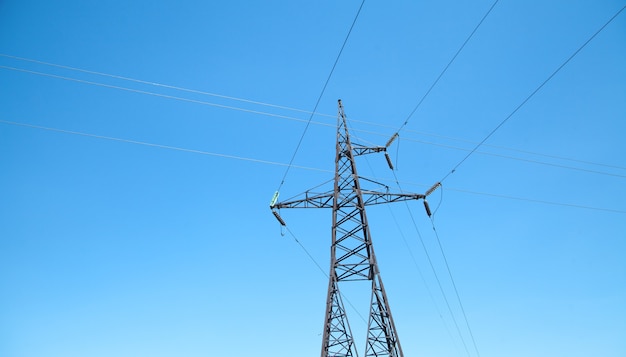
(274, 212)
(274, 199)
(427, 207)
(432, 189)
(388, 160)
(394, 137)
(280, 220)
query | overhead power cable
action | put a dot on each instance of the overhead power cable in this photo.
(156, 84)
(154, 94)
(306, 251)
(267, 162)
(532, 200)
(160, 146)
(511, 157)
(456, 291)
(437, 277)
(419, 271)
(521, 159)
(447, 66)
(532, 94)
(511, 149)
(319, 267)
(319, 98)
(299, 119)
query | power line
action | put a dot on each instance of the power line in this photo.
(572, 205)
(447, 66)
(156, 84)
(419, 271)
(160, 146)
(306, 251)
(153, 94)
(532, 94)
(319, 98)
(432, 267)
(515, 150)
(268, 162)
(299, 119)
(456, 291)
(506, 156)
(517, 198)
(380, 125)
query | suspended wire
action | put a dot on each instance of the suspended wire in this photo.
(439, 203)
(156, 84)
(160, 146)
(312, 122)
(419, 271)
(156, 94)
(516, 198)
(503, 156)
(539, 201)
(319, 98)
(447, 66)
(456, 291)
(511, 149)
(306, 251)
(518, 158)
(227, 156)
(532, 94)
(432, 267)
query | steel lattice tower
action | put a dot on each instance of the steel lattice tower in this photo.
(352, 255)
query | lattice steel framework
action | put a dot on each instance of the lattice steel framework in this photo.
(352, 255)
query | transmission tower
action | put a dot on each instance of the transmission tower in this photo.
(352, 255)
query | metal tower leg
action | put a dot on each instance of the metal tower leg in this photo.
(382, 338)
(337, 339)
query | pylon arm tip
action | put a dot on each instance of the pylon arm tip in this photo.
(279, 218)
(427, 207)
(388, 161)
(432, 189)
(391, 140)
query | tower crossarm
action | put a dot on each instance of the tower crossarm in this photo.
(363, 150)
(375, 198)
(325, 200)
(319, 200)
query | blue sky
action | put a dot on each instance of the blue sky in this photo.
(134, 218)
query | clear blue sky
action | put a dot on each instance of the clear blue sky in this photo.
(111, 247)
